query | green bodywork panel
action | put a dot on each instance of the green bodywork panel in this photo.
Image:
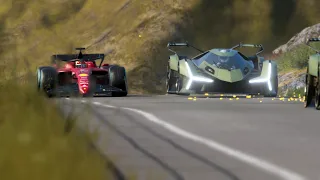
(223, 74)
(313, 64)
(173, 62)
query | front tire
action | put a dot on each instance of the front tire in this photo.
(171, 81)
(309, 90)
(47, 80)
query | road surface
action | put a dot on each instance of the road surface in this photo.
(173, 137)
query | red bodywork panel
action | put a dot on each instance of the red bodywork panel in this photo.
(84, 77)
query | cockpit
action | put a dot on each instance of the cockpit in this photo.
(80, 64)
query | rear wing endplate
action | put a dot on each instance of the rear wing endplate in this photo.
(240, 45)
(310, 40)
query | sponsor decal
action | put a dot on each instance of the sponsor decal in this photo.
(83, 75)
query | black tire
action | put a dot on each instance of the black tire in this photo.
(171, 81)
(47, 80)
(317, 92)
(309, 91)
(118, 79)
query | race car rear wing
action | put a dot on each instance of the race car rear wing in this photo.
(74, 57)
(240, 45)
(310, 40)
(186, 44)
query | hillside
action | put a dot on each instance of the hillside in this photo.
(293, 59)
(135, 32)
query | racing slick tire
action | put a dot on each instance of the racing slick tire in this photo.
(47, 80)
(118, 79)
(171, 80)
(309, 90)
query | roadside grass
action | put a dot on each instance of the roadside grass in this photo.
(294, 62)
(295, 92)
(296, 58)
(34, 143)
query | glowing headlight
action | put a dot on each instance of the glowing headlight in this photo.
(196, 78)
(264, 80)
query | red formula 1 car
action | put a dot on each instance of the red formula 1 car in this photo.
(79, 75)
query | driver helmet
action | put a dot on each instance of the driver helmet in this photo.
(80, 65)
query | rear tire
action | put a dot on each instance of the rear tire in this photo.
(47, 80)
(309, 90)
(171, 81)
(118, 79)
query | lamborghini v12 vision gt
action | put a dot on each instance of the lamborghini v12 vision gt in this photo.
(221, 71)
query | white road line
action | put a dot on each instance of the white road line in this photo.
(104, 105)
(264, 165)
(254, 161)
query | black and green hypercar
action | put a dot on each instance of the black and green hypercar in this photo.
(312, 89)
(221, 71)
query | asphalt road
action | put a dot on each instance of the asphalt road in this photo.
(173, 137)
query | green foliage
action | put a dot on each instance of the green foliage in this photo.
(295, 92)
(296, 58)
(34, 144)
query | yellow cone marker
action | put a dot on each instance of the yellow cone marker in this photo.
(221, 98)
(140, 36)
(237, 98)
(190, 98)
(206, 94)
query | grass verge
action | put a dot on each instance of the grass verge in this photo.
(34, 144)
(296, 58)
